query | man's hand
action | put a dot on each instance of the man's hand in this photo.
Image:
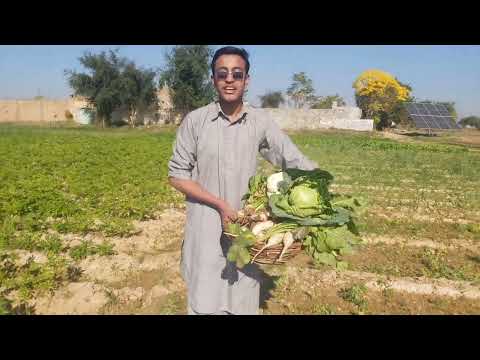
(227, 214)
(195, 191)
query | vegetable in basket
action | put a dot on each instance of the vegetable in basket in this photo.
(306, 199)
(326, 244)
(295, 205)
(243, 238)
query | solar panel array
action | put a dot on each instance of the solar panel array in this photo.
(431, 116)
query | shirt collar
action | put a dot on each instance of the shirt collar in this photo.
(219, 112)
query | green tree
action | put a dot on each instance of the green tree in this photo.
(470, 121)
(326, 102)
(138, 91)
(301, 90)
(272, 99)
(399, 115)
(101, 86)
(187, 74)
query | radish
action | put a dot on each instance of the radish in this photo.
(287, 242)
(272, 241)
(263, 217)
(258, 228)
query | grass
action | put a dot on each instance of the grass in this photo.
(33, 278)
(431, 179)
(173, 304)
(437, 265)
(83, 179)
(322, 309)
(409, 261)
(410, 227)
(355, 294)
(87, 248)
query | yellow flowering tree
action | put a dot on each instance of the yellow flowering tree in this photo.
(379, 94)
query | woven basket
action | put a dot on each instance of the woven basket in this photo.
(270, 255)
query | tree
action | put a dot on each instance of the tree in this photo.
(187, 75)
(102, 86)
(272, 99)
(138, 91)
(399, 114)
(379, 94)
(301, 90)
(326, 102)
(473, 121)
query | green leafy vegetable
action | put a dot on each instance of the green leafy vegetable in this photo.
(325, 258)
(337, 216)
(300, 204)
(256, 196)
(238, 251)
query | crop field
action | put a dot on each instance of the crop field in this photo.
(89, 225)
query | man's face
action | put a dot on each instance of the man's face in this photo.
(230, 78)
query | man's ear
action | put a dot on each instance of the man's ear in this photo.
(247, 80)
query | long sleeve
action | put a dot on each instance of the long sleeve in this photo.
(279, 150)
(184, 155)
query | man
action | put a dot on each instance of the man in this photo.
(215, 154)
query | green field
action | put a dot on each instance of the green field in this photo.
(83, 180)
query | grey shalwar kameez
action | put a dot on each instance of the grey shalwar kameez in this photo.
(221, 156)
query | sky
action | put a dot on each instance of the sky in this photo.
(435, 72)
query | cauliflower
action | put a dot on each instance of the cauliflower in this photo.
(274, 180)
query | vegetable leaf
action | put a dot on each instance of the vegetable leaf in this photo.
(342, 265)
(340, 216)
(325, 258)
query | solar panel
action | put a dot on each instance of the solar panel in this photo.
(429, 109)
(410, 108)
(429, 122)
(437, 122)
(434, 111)
(443, 110)
(450, 124)
(431, 116)
(419, 122)
(419, 109)
(443, 123)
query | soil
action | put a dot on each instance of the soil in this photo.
(143, 277)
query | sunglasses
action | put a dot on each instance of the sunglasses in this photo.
(223, 74)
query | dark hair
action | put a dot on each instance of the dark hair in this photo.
(230, 50)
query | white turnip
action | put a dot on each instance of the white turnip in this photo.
(272, 241)
(262, 226)
(287, 242)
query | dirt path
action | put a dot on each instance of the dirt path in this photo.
(143, 277)
(420, 286)
(144, 273)
(455, 243)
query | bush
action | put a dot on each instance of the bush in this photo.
(68, 115)
(473, 121)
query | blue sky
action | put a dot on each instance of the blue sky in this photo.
(440, 73)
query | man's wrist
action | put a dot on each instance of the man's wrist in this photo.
(219, 204)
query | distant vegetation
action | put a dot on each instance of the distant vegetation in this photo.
(473, 121)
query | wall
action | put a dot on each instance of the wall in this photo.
(54, 110)
(34, 110)
(337, 117)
